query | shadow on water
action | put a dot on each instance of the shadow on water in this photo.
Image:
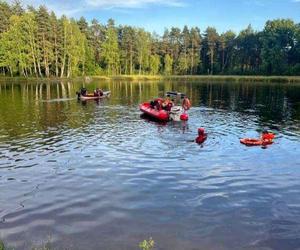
(99, 175)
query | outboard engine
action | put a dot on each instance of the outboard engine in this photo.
(175, 113)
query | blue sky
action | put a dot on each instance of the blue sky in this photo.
(155, 15)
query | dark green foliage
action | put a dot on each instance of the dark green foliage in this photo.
(279, 40)
(5, 14)
(2, 245)
(34, 42)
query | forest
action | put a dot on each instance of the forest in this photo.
(35, 42)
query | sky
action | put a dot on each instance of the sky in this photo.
(156, 15)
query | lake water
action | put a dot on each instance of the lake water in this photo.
(97, 175)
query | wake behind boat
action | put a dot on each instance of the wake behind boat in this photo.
(98, 94)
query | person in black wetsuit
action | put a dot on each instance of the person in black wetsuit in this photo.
(98, 92)
(83, 91)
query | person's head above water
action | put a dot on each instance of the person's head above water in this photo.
(201, 131)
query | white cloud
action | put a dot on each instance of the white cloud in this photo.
(73, 7)
(132, 3)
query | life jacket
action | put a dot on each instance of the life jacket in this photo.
(201, 138)
(268, 136)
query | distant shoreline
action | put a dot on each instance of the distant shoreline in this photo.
(204, 78)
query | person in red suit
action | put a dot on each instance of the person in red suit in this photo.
(186, 103)
(267, 137)
(202, 136)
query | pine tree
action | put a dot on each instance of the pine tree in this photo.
(45, 45)
(195, 50)
(143, 50)
(211, 39)
(128, 48)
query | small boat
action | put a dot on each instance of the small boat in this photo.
(175, 94)
(177, 114)
(161, 115)
(255, 142)
(93, 97)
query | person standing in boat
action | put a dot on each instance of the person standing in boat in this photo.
(186, 104)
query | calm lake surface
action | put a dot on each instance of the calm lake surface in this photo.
(97, 175)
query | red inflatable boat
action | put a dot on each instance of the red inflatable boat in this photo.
(255, 142)
(161, 115)
(266, 139)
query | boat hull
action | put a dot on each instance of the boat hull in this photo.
(160, 115)
(92, 97)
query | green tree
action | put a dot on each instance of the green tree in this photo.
(175, 45)
(154, 64)
(30, 29)
(143, 50)
(195, 49)
(74, 49)
(211, 40)
(248, 46)
(44, 40)
(227, 43)
(5, 14)
(278, 42)
(15, 47)
(56, 40)
(128, 48)
(110, 50)
(168, 64)
(183, 60)
(97, 37)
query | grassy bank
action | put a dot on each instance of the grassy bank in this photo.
(144, 245)
(204, 78)
(283, 79)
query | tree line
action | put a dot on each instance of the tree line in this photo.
(35, 42)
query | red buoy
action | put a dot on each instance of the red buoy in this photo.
(184, 117)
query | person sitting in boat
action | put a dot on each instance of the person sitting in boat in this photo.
(158, 105)
(267, 137)
(83, 91)
(186, 104)
(98, 92)
(167, 104)
(202, 136)
(153, 104)
(170, 105)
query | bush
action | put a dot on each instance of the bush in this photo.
(2, 247)
(147, 244)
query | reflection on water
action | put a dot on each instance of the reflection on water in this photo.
(98, 175)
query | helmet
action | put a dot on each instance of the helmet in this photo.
(201, 131)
